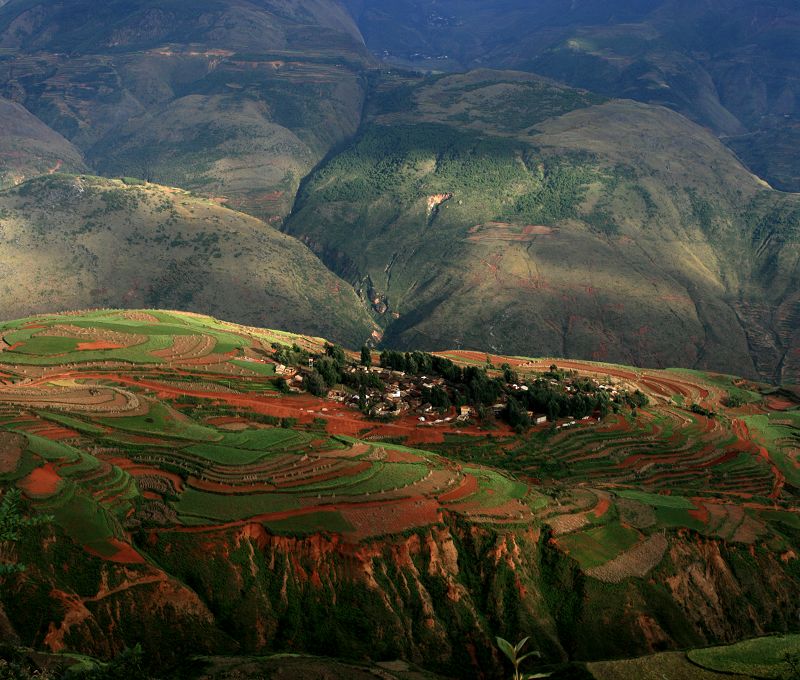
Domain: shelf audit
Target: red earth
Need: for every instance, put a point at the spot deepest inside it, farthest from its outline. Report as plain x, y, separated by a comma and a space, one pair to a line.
43, 481
602, 507
98, 345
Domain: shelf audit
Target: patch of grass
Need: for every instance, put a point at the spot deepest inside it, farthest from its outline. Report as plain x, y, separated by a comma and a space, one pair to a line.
780, 433
657, 500
599, 545
69, 421
227, 508
47, 345
761, 657
255, 366
311, 523
163, 421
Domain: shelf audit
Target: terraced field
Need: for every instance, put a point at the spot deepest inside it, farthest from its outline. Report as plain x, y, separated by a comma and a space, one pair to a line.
164, 421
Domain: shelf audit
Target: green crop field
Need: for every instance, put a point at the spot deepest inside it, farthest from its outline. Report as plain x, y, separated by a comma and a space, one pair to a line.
163, 421
310, 523
229, 507
657, 500
227, 455
599, 545
256, 367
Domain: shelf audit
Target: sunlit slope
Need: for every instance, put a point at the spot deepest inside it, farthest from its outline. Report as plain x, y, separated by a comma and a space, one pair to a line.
85, 242
498, 210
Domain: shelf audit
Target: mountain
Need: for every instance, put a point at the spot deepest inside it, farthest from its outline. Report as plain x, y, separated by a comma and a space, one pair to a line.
78, 242
237, 99
29, 148
499, 209
495, 209
731, 65
193, 499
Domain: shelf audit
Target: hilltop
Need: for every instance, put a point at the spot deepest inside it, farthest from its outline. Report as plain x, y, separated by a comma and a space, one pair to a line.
197, 485
85, 242
501, 210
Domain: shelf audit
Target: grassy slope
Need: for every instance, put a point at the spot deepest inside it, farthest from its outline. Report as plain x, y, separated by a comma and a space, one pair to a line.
83, 242
651, 215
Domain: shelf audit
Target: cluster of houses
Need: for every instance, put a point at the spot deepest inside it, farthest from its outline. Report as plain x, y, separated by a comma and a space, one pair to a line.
404, 395
401, 395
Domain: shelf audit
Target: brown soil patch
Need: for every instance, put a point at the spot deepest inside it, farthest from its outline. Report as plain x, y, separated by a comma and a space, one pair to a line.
700, 513
391, 518
601, 508
98, 345
140, 316
779, 403
42, 482
125, 554
393, 456
11, 448
468, 486
502, 231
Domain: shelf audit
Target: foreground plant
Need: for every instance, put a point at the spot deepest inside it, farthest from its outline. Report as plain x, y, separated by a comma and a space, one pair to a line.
515, 656
12, 525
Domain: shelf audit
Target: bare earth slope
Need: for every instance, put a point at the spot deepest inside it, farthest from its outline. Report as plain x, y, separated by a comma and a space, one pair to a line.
494, 209
85, 242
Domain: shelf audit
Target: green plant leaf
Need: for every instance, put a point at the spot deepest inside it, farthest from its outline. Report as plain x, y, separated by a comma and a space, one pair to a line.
522, 658
507, 649
521, 644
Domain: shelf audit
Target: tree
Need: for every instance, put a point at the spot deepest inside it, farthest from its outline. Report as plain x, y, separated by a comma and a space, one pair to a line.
315, 384
733, 401
516, 415
338, 355
12, 525
366, 356
515, 656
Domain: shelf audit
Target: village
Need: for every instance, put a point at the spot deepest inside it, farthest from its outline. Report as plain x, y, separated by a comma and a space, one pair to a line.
554, 399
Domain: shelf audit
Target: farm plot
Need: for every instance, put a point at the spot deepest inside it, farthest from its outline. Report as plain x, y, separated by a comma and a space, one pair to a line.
780, 434
636, 562
197, 505
599, 545
163, 421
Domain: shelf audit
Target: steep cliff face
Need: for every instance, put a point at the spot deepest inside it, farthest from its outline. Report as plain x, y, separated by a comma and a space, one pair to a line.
436, 597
